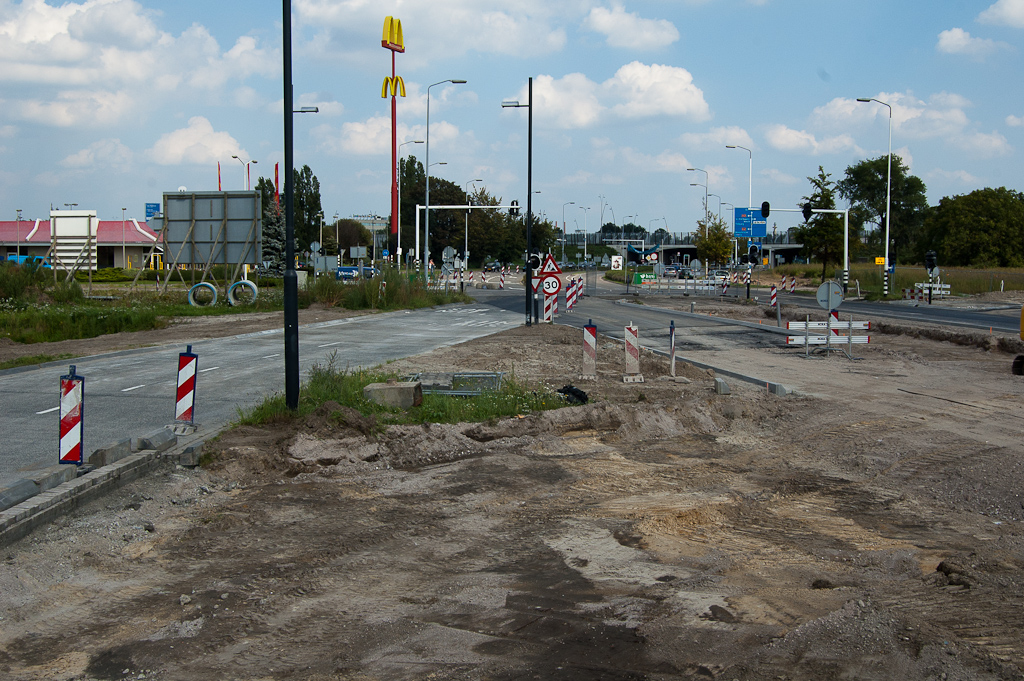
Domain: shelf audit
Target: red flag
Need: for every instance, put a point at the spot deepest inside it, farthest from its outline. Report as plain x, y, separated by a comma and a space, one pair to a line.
218, 176
277, 187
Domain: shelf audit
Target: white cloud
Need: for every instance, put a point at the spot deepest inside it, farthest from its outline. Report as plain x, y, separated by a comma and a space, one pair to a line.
942, 116
657, 90
957, 176
1004, 12
442, 29
718, 137
196, 144
77, 107
108, 152
1014, 121
800, 141
629, 30
959, 41
373, 136
569, 102
779, 177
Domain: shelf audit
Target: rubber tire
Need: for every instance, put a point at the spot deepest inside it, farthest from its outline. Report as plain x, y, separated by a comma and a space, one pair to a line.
233, 299
202, 285
1018, 366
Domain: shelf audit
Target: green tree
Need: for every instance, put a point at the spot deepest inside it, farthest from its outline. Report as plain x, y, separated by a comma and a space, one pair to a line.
307, 207
346, 233
822, 235
413, 183
864, 186
713, 240
272, 225
983, 229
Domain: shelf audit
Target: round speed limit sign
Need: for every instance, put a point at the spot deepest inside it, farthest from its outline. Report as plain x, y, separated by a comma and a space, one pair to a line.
551, 285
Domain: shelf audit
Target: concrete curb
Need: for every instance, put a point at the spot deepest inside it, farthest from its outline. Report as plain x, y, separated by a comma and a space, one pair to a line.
18, 521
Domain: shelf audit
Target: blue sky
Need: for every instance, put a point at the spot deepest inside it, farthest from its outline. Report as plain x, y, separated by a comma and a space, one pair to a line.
108, 103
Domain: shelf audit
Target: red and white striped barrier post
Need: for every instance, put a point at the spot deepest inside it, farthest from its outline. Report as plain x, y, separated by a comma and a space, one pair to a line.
792, 283
632, 374
774, 297
185, 400
501, 282
725, 287
672, 348
72, 426
589, 352
735, 276
471, 277
570, 296
554, 304
548, 311
517, 269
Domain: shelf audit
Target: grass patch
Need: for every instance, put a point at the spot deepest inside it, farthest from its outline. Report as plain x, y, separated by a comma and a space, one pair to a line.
328, 383
33, 360
49, 323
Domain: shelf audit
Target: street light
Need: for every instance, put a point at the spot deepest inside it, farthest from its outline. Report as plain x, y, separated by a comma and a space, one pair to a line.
465, 249
567, 203
888, 186
514, 104
585, 210
245, 170
398, 246
426, 228
750, 173
707, 181
719, 204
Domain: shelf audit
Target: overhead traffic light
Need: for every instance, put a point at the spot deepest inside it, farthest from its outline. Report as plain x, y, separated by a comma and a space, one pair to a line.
807, 211
765, 208
514, 210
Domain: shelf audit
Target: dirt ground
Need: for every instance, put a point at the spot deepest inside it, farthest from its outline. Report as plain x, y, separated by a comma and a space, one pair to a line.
868, 527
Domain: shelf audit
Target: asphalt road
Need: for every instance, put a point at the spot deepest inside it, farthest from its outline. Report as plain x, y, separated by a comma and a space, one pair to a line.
130, 394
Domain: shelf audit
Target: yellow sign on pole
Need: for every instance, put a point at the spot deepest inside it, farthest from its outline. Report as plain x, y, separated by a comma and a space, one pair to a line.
879, 261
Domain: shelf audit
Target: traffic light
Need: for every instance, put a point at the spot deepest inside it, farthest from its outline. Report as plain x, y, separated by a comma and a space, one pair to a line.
931, 260
535, 261
514, 210
752, 257
765, 208
807, 212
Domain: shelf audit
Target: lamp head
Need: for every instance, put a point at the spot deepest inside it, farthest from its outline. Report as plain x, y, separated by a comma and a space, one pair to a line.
863, 99
458, 81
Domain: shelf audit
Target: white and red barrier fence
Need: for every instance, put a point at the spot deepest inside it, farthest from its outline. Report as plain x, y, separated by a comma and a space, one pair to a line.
72, 425
632, 373
589, 352
774, 300
185, 399
549, 309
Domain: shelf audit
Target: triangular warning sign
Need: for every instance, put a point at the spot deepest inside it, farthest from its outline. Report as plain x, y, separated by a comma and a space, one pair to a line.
550, 266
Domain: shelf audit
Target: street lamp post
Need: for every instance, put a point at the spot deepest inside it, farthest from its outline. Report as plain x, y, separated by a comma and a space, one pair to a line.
888, 188
398, 246
426, 228
750, 173
586, 212
719, 204
567, 203
465, 248
529, 195
18, 246
707, 181
245, 170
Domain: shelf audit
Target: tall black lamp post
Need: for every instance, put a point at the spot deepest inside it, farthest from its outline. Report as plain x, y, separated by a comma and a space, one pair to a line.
529, 198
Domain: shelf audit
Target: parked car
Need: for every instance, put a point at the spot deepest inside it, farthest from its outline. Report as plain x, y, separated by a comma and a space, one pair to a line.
719, 275
493, 266
685, 273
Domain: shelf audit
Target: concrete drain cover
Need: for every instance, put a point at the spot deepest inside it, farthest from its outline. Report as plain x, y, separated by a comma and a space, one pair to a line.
458, 382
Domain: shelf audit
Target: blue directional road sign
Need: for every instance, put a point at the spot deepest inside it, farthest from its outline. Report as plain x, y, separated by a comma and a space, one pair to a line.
748, 224
152, 209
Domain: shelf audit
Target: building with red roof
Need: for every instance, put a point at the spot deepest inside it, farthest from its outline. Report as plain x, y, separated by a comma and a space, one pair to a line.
114, 243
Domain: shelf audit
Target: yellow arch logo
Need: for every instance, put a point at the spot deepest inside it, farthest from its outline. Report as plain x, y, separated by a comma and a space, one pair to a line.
392, 38
393, 86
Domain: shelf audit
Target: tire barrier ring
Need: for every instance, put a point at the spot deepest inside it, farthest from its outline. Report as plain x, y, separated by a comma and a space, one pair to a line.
232, 292
202, 285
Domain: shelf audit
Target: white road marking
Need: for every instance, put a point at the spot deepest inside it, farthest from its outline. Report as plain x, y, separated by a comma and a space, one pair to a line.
47, 411
271, 356
203, 371
327, 345
128, 390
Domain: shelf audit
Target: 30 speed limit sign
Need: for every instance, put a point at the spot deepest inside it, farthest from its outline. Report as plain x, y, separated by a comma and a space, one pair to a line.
551, 285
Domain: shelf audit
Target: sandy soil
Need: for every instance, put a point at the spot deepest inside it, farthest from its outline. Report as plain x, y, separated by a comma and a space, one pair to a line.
869, 527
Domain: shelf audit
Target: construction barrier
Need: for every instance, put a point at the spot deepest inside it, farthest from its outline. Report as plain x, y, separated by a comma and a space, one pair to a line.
501, 282
548, 309
672, 348
589, 351
632, 373
792, 283
185, 400
774, 300
72, 425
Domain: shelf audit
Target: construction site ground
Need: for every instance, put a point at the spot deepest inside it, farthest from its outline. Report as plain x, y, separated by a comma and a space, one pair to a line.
868, 526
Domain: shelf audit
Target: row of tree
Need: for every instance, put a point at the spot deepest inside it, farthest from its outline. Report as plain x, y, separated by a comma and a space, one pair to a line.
984, 228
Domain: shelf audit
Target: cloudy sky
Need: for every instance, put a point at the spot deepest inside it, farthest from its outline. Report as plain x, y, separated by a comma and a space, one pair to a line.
109, 103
